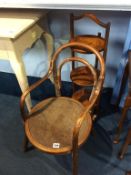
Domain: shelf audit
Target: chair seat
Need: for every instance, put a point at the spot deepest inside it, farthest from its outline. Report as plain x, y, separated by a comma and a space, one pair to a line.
96, 42
82, 76
51, 122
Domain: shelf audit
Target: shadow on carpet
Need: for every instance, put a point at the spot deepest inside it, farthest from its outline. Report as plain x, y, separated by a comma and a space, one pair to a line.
97, 156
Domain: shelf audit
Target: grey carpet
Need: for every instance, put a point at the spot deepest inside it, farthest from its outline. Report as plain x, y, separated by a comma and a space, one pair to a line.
98, 156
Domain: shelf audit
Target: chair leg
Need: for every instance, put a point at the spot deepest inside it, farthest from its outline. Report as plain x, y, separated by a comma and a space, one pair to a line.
125, 145
75, 162
25, 143
128, 173
97, 109
120, 125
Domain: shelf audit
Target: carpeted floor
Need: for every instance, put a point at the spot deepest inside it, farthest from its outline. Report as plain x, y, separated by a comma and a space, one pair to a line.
98, 156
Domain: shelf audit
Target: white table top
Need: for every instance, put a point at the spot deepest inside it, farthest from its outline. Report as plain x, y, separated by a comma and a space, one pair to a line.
13, 24
119, 5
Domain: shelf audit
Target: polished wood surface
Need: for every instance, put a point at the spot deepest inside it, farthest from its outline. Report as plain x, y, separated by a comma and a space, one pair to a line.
82, 95
96, 41
81, 76
124, 147
126, 106
59, 124
84, 74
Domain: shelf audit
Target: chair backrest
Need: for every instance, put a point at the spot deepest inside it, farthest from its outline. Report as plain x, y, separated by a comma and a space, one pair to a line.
56, 68
105, 26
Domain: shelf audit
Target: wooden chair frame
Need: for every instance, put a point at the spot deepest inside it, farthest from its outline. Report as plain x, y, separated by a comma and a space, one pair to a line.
57, 79
98, 22
126, 106
80, 73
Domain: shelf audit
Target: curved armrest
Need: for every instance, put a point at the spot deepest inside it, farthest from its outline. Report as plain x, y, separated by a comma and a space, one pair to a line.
31, 88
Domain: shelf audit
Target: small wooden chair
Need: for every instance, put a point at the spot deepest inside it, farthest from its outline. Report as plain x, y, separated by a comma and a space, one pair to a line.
127, 105
81, 75
60, 125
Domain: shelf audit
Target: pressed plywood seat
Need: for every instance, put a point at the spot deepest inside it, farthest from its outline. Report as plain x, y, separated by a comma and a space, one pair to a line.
59, 125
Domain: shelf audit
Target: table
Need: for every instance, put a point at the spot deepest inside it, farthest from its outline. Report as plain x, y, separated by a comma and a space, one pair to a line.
18, 31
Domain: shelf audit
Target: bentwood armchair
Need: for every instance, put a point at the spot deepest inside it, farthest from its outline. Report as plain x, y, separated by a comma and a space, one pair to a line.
80, 75
60, 125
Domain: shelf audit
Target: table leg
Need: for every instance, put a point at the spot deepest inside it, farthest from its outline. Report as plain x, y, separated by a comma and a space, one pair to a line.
19, 70
50, 47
